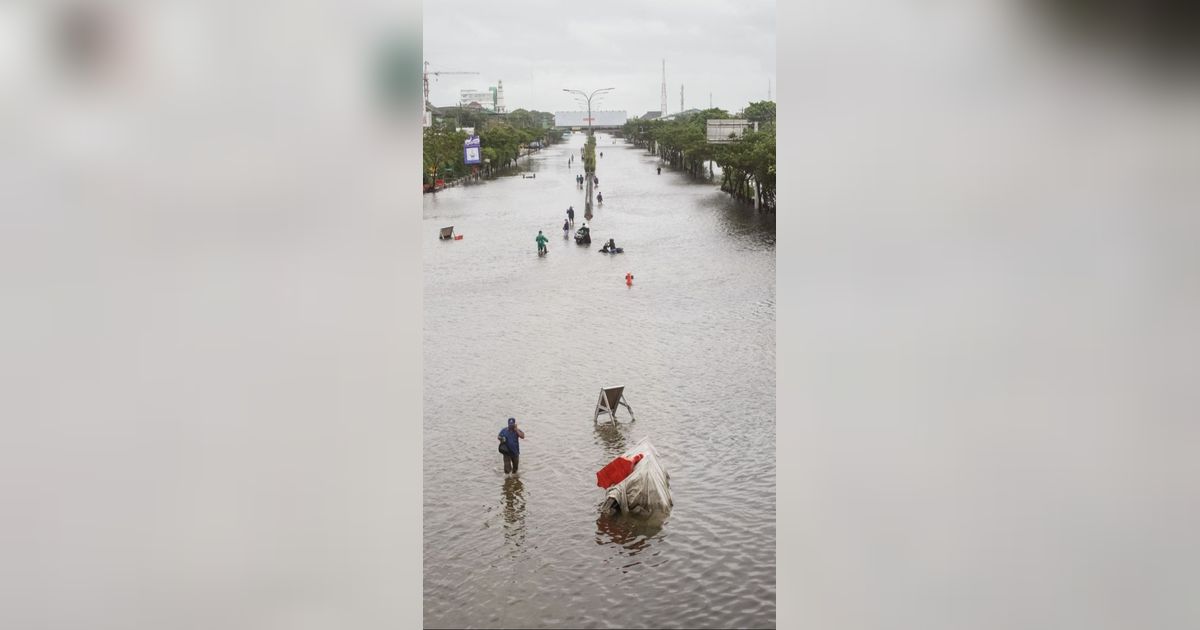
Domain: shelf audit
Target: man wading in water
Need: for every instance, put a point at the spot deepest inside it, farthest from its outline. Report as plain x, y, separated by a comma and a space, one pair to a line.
509, 442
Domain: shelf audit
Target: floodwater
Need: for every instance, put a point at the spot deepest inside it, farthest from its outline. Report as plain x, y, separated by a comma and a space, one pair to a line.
508, 333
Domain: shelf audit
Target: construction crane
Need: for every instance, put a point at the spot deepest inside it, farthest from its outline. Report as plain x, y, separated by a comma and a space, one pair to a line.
425, 78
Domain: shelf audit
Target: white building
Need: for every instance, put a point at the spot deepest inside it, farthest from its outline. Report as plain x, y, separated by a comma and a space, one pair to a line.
485, 98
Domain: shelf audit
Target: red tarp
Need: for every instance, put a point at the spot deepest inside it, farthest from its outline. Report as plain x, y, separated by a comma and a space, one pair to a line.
616, 471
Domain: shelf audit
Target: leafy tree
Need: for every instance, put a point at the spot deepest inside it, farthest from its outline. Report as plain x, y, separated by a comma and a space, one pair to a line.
760, 112
747, 165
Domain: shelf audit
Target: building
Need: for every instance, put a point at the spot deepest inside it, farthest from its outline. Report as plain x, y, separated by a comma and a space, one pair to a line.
683, 114
499, 93
483, 98
650, 115
491, 99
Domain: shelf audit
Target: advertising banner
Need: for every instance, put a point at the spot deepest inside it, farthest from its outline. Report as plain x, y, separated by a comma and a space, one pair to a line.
598, 119
471, 150
727, 130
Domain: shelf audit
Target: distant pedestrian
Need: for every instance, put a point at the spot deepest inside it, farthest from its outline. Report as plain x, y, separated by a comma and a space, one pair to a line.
510, 446
571, 214
660, 170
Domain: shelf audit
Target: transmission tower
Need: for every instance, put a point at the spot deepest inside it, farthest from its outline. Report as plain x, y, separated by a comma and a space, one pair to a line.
664, 89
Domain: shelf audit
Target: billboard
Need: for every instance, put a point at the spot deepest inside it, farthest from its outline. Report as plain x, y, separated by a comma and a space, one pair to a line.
599, 119
471, 150
719, 131
486, 98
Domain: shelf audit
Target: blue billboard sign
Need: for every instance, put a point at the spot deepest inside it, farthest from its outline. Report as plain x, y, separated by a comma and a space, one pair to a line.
471, 150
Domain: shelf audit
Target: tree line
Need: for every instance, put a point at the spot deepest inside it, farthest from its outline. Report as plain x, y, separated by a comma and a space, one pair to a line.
589, 155
747, 165
501, 138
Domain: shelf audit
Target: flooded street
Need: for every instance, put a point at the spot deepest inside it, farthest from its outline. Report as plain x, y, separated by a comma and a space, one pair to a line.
507, 333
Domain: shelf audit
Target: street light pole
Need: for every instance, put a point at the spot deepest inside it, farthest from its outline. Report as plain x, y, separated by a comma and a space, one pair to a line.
588, 98
591, 138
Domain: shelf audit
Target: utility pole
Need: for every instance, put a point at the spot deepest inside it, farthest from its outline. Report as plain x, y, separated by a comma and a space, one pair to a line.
768, 89
710, 100
681, 97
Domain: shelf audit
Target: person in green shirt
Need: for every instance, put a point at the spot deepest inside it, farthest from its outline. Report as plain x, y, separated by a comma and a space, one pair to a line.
541, 241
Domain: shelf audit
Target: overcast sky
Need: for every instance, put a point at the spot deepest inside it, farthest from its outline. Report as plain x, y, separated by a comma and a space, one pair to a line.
537, 48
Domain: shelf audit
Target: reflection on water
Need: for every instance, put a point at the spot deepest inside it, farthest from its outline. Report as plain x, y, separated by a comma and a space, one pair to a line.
611, 437
634, 536
630, 532
742, 225
513, 498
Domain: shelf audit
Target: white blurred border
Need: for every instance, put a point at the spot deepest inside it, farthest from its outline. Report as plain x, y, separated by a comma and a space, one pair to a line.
211, 317
988, 297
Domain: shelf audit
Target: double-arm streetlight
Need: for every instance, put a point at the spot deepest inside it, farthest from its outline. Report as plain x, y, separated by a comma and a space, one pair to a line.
588, 97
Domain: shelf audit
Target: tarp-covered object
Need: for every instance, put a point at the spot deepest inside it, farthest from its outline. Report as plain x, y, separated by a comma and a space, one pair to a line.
647, 488
616, 471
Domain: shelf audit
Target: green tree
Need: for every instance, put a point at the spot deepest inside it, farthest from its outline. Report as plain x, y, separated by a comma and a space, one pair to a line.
761, 112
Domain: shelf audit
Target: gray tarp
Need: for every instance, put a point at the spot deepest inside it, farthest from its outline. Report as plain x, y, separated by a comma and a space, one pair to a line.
648, 488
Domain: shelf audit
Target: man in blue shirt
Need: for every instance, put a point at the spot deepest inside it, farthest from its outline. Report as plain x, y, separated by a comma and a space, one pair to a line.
509, 436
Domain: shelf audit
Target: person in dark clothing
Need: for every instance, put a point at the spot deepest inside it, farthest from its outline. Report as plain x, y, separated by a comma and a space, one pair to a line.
510, 436
660, 170
571, 214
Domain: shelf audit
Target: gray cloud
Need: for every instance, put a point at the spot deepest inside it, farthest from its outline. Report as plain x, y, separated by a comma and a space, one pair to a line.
538, 48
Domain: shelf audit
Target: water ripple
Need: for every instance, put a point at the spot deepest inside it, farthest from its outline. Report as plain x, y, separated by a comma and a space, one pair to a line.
509, 334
